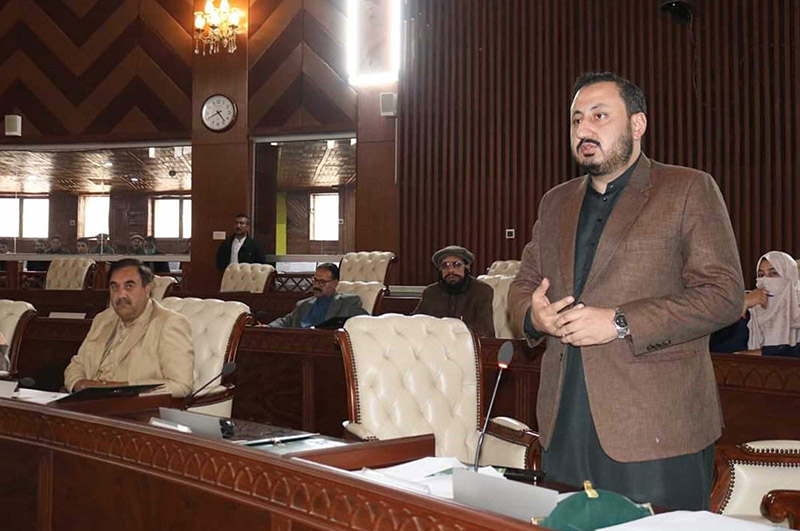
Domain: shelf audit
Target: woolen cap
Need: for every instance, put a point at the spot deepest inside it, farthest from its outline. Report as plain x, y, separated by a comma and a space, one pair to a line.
452, 250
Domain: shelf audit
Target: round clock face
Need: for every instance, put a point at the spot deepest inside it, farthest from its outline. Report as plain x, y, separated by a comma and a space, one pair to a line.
218, 112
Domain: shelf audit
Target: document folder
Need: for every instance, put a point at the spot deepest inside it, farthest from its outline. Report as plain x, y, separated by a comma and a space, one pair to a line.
92, 393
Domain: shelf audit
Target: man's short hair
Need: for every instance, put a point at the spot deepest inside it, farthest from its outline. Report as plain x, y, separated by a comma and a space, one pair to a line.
55, 237
245, 216
3, 241
144, 272
333, 268
83, 240
632, 95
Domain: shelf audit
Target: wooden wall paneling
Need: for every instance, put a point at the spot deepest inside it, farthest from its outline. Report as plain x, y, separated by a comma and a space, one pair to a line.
108, 72
298, 81
222, 166
483, 130
377, 223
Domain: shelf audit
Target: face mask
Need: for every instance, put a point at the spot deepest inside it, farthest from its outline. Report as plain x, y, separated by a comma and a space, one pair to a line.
773, 286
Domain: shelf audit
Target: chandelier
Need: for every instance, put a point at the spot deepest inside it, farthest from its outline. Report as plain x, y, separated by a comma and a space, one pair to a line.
216, 27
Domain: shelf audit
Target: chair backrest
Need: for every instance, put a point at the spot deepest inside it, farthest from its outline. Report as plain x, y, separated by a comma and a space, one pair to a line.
411, 375
14, 316
504, 267
254, 278
69, 273
161, 287
366, 266
371, 293
745, 473
503, 326
217, 327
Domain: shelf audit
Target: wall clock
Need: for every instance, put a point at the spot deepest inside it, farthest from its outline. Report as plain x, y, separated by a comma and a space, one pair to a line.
218, 113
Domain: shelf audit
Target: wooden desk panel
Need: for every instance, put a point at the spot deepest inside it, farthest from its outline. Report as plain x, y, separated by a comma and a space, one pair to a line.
88, 301
72, 471
291, 378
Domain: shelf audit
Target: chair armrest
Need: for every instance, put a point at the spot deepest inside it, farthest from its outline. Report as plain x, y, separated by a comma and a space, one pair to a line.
510, 442
357, 431
778, 505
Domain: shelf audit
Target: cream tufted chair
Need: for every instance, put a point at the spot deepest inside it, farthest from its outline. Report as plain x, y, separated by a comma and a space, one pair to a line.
161, 287
371, 293
411, 375
504, 267
255, 278
69, 273
217, 327
366, 266
502, 317
759, 481
14, 316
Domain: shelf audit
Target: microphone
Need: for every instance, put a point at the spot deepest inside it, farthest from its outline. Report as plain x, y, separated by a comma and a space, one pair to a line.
504, 356
227, 369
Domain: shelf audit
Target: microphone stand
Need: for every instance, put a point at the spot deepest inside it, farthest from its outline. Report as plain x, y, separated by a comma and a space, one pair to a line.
486, 420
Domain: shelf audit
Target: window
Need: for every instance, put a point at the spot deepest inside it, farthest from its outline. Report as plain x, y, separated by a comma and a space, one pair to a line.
172, 218
324, 218
24, 217
95, 215
9, 217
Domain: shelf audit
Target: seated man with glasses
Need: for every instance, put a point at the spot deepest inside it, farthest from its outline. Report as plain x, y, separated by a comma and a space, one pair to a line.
325, 305
457, 294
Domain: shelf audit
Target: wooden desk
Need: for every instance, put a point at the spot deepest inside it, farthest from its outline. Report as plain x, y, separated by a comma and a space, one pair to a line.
67, 470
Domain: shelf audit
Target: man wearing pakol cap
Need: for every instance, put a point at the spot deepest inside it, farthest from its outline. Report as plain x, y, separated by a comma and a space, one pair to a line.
457, 294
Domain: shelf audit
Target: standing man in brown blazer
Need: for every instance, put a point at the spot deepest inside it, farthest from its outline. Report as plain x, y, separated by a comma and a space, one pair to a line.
629, 270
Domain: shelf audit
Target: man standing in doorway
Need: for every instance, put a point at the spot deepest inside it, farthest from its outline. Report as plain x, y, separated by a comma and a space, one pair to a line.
629, 270
240, 248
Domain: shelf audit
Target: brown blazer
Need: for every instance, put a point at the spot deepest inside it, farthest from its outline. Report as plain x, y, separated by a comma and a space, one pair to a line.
668, 258
158, 349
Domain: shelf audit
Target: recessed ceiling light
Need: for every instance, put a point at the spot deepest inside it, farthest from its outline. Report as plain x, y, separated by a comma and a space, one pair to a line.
273, 143
134, 179
352, 141
331, 144
108, 164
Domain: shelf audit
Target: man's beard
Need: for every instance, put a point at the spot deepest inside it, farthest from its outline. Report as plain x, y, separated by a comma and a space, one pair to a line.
456, 288
617, 157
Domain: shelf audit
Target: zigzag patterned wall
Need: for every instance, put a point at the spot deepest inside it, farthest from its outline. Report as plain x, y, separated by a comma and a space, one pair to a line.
297, 77
112, 68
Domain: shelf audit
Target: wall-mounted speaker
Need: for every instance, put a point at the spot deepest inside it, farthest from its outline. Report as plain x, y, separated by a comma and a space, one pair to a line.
13, 125
388, 104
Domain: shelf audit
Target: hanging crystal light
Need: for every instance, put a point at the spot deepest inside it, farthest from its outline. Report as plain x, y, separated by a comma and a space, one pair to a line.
215, 28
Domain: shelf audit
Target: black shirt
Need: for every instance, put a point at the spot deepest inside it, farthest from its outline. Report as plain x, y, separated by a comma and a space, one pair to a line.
595, 211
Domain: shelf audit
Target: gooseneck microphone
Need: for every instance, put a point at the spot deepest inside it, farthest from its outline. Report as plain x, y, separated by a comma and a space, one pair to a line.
227, 369
504, 356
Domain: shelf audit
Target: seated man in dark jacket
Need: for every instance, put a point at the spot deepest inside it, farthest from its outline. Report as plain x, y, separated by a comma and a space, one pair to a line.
457, 294
240, 248
325, 305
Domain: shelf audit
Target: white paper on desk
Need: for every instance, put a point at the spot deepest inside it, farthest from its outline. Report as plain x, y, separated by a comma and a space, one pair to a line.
428, 474
7, 388
38, 397
690, 521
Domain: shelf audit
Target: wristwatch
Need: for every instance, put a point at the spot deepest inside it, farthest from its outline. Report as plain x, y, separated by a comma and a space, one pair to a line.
621, 324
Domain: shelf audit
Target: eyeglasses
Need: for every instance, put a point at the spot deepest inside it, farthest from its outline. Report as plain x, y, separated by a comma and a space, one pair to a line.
455, 264
321, 281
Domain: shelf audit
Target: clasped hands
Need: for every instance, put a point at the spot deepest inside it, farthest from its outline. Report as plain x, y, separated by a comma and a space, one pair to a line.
580, 326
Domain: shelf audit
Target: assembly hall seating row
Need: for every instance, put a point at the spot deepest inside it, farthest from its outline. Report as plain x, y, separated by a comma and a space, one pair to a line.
296, 378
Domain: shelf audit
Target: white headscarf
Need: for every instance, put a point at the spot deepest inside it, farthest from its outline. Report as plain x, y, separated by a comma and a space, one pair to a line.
779, 322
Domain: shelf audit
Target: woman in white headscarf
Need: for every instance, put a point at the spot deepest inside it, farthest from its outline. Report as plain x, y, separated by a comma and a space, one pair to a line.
778, 321
770, 323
